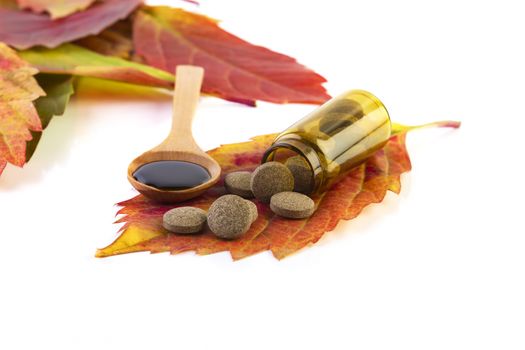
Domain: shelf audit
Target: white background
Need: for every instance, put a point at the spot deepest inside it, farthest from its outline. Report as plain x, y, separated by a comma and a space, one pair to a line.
440, 266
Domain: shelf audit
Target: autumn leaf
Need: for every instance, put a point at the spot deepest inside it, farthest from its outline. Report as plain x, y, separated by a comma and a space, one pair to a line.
113, 41
56, 8
76, 60
9, 4
23, 29
235, 69
58, 89
18, 116
364, 185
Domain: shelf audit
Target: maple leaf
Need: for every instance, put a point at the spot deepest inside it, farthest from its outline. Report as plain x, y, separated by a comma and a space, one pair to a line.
76, 60
56, 8
235, 69
365, 184
18, 115
58, 89
23, 29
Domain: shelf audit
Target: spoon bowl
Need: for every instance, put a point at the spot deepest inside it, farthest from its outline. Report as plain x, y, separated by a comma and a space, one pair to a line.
179, 145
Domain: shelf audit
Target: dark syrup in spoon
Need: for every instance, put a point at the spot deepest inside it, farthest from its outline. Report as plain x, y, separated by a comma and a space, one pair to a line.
171, 175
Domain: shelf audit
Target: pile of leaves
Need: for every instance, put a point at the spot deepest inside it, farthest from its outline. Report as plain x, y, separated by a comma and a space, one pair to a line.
45, 44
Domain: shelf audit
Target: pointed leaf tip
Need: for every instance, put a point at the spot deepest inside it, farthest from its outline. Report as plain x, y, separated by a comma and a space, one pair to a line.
235, 69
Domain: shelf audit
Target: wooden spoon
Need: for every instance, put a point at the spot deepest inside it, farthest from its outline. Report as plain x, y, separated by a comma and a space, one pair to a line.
179, 145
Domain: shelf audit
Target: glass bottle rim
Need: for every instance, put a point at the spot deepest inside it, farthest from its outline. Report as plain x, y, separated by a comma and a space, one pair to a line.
302, 149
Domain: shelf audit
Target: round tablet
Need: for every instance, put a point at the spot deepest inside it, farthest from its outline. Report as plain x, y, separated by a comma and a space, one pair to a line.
184, 220
253, 210
230, 216
270, 178
302, 174
238, 183
292, 205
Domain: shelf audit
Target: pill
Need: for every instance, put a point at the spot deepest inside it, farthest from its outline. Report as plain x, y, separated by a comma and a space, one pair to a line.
253, 210
292, 205
271, 178
302, 174
184, 220
238, 183
230, 216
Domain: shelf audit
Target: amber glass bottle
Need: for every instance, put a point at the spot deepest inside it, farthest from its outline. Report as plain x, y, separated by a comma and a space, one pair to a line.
336, 137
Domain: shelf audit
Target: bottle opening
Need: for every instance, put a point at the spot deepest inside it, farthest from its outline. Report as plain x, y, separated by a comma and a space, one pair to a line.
302, 162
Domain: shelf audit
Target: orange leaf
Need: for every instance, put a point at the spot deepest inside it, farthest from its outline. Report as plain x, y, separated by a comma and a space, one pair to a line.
366, 184
17, 113
235, 69
56, 8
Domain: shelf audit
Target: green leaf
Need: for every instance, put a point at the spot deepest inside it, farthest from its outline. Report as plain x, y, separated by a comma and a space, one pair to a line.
75, 60
59, 89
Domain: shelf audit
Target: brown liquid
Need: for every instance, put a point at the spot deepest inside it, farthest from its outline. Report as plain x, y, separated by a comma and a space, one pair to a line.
171, 175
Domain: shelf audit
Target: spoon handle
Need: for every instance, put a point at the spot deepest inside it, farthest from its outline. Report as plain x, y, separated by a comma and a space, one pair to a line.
188, 82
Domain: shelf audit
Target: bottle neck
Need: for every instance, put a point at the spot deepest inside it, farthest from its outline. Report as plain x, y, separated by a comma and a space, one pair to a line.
302, 149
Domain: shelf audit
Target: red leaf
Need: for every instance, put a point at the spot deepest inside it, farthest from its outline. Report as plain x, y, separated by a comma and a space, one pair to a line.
23, 29
17, 113
366, 184
235, 69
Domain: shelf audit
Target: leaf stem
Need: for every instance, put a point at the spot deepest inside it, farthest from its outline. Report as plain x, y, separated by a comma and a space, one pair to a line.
399, 128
